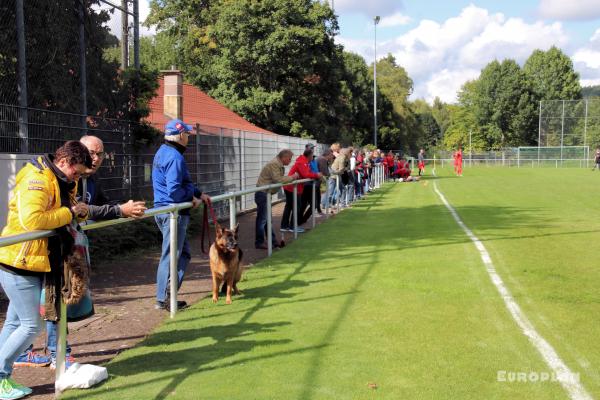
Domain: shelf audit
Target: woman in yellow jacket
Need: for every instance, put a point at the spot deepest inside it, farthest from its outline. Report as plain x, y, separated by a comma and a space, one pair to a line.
43, 198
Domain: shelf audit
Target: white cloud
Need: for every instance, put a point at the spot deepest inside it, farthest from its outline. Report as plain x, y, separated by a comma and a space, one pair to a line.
446, 83
586, 61
591, 58
115, 21
569, 10
396, 19
440, 57
369, 8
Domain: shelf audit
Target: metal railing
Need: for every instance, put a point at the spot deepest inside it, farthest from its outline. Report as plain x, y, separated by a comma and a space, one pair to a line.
173, 210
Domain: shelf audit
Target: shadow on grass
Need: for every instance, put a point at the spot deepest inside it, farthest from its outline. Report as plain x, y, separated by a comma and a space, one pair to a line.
397, 226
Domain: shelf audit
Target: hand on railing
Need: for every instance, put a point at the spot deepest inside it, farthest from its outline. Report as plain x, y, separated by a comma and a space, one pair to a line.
80, 210
133, 209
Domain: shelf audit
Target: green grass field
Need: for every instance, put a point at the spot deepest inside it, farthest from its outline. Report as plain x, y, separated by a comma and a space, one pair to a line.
390, 300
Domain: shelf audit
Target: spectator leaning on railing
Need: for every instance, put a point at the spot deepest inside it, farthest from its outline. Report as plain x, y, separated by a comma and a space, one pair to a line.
99, 208
302, 168
43, 198
305, 210
272, 173
331, 194
323, 162
340, 166
172, 184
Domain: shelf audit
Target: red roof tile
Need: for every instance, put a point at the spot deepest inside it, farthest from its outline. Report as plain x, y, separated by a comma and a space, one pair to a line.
200, 108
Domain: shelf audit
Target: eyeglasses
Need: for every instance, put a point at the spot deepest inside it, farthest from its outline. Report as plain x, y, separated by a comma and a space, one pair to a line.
99, 154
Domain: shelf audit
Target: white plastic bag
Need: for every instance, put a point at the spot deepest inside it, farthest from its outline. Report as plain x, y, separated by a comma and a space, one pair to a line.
81, 376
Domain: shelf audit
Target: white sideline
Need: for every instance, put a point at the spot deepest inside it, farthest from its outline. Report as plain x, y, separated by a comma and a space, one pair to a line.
564, 375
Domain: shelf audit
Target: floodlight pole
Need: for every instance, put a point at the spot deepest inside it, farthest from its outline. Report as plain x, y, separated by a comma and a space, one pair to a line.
124, 36
375, 22
539, 132
470, 150
562, 132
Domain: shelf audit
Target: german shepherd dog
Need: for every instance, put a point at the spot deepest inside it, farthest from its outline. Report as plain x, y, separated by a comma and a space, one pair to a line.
225, 256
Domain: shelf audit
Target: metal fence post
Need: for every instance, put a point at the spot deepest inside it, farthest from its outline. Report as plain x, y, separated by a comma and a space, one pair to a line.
295, 210
269, 225
173, 257
61, 345
338, 195
197, 163
314, 198
22, 77
244, 199
232, 213
82, 68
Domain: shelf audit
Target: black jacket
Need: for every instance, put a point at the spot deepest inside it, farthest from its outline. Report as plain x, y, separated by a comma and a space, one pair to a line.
100, 206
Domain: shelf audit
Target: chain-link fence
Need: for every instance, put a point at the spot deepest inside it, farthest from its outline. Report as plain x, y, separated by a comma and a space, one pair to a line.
220, 160
569, 123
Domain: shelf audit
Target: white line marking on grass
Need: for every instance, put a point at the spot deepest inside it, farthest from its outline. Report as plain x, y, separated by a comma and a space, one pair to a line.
568, 380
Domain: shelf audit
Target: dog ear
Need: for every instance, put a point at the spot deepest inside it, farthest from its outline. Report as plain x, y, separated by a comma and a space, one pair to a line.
218, 230
236, 229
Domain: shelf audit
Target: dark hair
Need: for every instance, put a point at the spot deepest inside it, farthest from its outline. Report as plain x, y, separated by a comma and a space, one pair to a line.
308, 152
75, 153
326, 152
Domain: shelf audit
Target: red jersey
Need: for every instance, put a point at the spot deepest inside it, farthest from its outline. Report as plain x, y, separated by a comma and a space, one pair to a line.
303, 169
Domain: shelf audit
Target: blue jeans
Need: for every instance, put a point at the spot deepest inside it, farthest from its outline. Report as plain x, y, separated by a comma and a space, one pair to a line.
183, 253
23, 322
261, 220
52, 338
329, 198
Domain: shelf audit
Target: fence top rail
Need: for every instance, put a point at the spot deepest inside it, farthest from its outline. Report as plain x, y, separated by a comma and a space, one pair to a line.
23, 237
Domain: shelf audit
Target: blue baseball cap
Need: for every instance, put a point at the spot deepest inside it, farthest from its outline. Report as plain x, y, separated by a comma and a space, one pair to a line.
177, 126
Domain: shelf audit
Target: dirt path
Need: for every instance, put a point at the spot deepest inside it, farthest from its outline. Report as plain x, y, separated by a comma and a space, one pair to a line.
124, 297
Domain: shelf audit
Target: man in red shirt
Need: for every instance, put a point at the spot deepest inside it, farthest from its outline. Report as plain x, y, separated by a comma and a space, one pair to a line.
303, 169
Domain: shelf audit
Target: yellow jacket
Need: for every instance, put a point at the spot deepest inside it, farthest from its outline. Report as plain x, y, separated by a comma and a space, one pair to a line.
35, 205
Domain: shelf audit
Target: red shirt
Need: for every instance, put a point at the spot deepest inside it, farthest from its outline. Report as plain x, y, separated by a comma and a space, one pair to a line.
303, 169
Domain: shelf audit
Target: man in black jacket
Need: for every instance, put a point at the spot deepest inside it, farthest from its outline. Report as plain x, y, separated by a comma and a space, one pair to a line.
100, 206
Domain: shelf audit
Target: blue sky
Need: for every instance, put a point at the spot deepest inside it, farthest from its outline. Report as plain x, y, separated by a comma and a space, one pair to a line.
444, 43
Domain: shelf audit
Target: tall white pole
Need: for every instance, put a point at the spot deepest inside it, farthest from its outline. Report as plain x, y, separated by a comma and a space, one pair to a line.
470, 149
539, 132
562, 132
376, 21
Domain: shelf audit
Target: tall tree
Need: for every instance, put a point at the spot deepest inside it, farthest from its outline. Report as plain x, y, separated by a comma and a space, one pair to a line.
551, 75
441, 114
395, 86
428, 130
590, 91
357, 99
273, 61
503, 104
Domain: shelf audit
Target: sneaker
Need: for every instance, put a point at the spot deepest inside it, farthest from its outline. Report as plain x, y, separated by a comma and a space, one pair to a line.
298, 230
69, 360
261, 247
32, 359
284, 229
164, 305
10, 390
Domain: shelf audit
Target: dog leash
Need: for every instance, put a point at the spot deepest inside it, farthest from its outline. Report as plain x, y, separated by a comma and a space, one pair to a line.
205, 226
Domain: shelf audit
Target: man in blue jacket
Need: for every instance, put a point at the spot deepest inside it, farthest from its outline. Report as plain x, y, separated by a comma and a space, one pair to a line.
172, 184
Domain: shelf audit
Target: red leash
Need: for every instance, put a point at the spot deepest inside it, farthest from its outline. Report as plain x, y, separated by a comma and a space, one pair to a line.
205, 227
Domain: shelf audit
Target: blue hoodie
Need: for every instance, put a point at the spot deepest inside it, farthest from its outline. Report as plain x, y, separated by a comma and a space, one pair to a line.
170, 177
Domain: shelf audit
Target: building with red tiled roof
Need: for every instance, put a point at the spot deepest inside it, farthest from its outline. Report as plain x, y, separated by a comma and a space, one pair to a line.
197, 108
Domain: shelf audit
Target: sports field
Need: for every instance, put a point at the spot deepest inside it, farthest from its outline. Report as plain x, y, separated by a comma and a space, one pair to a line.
392, 300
